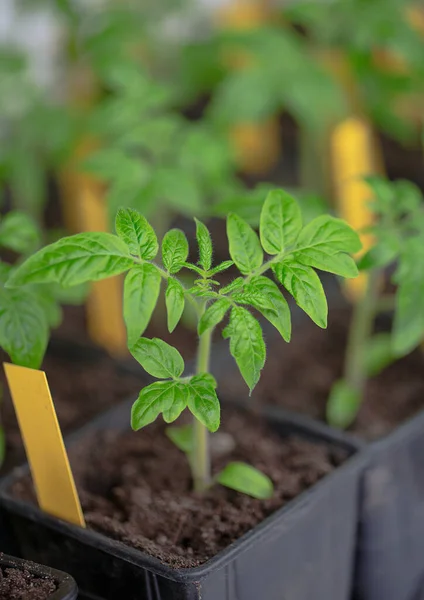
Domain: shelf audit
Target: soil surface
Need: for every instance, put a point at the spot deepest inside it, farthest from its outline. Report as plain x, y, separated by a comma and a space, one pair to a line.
16, 584
299, 376
80, 390
136, 487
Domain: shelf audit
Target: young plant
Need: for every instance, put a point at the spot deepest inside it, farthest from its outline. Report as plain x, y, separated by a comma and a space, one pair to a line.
138, 128
35, 135
294, 252
399, 239
27, 314
383, 58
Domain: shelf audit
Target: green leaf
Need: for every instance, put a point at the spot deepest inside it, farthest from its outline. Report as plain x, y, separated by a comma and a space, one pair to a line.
382, 254
408, 326
182, 437
49, 305
323, 244
167, 397
174, 298
5, 270
245, 248
305, 286
205, 245
246, 479
254, 297
221, 267
194, 268
158, 358
279, 315
235, 285
174, 250
280, 222
246, 344
203, 401
378, 353
213, 315
137, 233
18, 232
343, 405
23, 328
141, 292
75, 259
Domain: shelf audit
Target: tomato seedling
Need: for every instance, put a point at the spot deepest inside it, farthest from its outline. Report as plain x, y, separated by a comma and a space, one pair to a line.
399, 239
294, 252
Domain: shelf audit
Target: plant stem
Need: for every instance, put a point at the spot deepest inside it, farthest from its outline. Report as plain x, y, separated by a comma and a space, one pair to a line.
359, 333
200, 459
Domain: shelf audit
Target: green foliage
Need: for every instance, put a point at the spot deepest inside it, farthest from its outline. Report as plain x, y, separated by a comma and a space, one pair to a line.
378, 354
358, 30
75, 259
245, 248
182, 437
158, 358
342, 405
280, 223
246, 479
246, 344
94, 256
141, 292
305, 286
205, 245
19, 233
26, 314
23, 327
174, 250
266, 86
175, 303
37, 134
398, 240
139, 127
137, 234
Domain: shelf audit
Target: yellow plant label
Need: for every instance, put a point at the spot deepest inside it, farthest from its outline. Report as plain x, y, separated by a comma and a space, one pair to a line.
51, 472
354, 156
104, 305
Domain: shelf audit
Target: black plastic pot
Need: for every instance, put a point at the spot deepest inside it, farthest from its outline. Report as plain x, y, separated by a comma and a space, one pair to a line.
390, 551
304, 551
66, 587
390, 555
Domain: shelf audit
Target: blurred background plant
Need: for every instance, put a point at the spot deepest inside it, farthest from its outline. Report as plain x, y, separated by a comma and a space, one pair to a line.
196, 107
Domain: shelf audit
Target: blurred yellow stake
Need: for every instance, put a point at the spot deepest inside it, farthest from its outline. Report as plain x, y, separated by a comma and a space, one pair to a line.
353, 156
257, 144
84, 208
46, 453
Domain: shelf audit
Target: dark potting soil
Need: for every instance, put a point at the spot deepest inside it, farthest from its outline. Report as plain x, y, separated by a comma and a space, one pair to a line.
80, 390
17, 584
299, 376
136, 487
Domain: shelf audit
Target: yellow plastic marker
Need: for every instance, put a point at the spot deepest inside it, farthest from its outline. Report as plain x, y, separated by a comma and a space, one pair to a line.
84, 207
353, 155
104, 305
257, 144
51, 472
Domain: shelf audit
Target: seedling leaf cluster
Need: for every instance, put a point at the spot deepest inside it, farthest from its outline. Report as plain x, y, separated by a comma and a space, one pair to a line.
398, 234
293, 252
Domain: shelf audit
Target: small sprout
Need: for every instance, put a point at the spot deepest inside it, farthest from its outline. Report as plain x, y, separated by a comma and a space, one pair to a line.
295, 252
